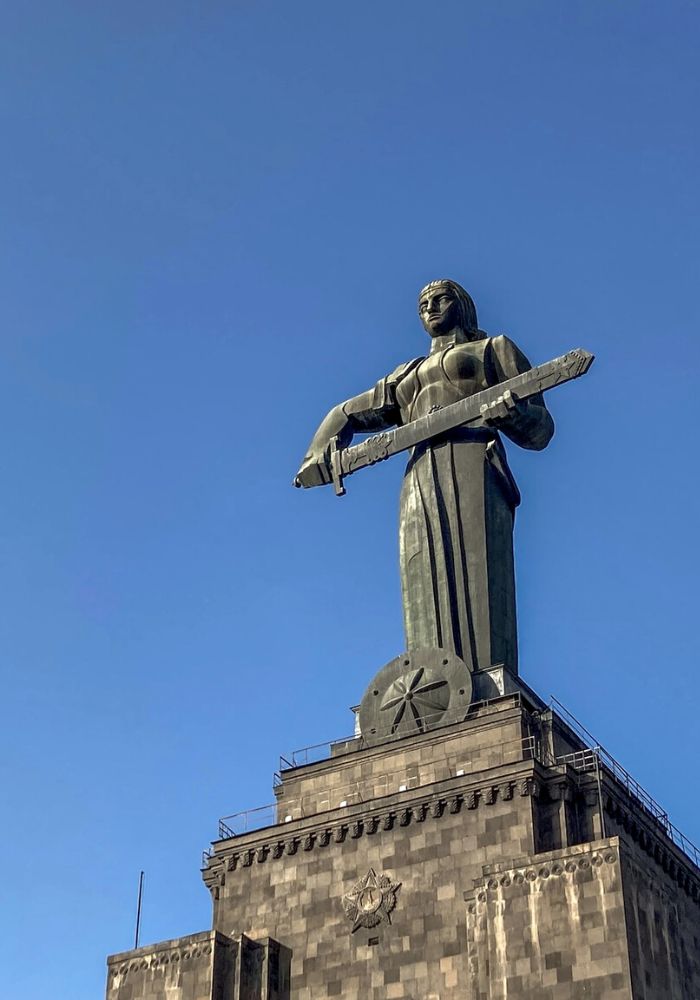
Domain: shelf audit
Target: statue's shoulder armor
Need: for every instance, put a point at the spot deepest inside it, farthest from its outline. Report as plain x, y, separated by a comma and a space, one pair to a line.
504, 355
501, 344
401, 371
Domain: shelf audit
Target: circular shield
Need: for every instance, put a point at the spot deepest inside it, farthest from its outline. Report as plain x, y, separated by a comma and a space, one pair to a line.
419, 690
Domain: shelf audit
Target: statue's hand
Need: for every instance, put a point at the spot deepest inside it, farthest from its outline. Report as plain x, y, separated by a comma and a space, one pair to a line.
314, 471
502, 410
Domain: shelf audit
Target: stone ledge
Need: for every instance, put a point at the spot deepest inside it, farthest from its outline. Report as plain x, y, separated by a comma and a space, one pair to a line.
368, 821
201, 940
156, 969
540, 867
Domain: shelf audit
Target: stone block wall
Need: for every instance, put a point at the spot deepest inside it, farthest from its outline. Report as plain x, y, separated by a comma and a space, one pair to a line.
293, 889
197, 967
552, 928
663, 925
263, 972
495, 736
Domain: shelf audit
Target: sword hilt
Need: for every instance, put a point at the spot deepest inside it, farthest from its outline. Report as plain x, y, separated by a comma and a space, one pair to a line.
336, 467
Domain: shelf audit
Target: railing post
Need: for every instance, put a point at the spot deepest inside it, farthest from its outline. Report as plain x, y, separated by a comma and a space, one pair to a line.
600, 795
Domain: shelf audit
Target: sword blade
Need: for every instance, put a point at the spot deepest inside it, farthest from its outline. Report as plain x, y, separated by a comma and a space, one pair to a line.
466, 411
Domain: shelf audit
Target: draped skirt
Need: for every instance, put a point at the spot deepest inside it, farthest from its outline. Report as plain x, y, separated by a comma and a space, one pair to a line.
457, 512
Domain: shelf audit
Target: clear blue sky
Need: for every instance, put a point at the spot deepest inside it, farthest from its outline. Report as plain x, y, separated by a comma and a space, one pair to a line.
216, 219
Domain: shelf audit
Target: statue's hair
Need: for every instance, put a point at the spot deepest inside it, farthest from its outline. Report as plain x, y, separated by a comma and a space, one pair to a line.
465, 303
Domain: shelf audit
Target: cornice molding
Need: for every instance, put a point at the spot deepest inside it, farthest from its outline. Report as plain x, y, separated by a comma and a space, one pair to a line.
354, 827
494, 884
160, 959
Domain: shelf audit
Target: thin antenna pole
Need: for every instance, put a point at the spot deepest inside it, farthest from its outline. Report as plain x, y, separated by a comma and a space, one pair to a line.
138, 911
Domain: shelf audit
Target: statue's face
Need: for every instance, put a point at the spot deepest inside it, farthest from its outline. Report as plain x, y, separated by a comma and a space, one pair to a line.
438, 310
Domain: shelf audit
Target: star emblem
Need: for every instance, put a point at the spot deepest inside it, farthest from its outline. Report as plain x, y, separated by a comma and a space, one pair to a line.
371, 900
425, 696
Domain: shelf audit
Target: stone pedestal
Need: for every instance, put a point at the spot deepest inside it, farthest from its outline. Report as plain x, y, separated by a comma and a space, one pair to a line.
495, 857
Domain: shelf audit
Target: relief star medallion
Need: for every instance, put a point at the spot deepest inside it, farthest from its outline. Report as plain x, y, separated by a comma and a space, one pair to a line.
371, 900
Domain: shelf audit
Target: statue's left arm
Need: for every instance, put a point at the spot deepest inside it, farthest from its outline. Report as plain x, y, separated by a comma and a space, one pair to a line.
528, 423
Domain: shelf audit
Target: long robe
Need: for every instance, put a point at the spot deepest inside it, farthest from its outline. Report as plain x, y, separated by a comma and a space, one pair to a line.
457, 510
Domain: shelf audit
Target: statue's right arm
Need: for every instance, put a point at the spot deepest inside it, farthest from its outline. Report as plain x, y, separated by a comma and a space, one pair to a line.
351, 417
374, 410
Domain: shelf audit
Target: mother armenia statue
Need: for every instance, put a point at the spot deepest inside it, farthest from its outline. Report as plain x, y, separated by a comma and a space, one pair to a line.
458, 497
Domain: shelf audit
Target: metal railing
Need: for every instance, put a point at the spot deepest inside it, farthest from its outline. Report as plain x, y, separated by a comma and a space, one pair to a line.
597, 756
312, 754
376, 786
322, 751
247, 820
594, 757
687, 846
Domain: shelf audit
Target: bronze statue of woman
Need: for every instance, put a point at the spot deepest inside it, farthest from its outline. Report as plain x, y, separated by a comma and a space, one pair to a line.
458, 497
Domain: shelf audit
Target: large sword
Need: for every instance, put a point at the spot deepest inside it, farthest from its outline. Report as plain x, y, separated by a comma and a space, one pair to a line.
344, 461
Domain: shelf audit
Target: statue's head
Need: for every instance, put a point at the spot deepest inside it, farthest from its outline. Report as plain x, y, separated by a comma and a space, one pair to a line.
444, 306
